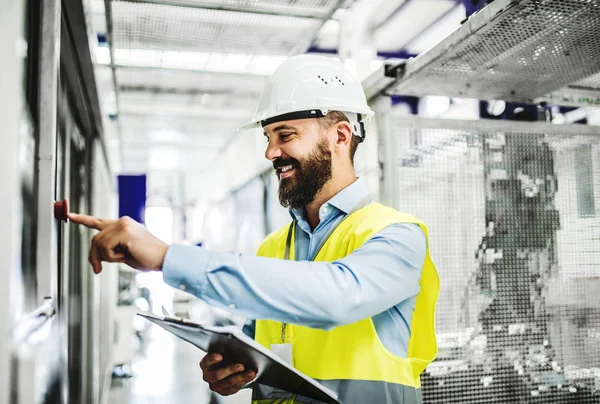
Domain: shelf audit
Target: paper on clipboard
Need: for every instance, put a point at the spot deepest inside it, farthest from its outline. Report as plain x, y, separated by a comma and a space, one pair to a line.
237, 347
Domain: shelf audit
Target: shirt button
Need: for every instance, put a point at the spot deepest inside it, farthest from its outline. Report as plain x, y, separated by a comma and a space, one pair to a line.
232, 306
182, 286
325, 210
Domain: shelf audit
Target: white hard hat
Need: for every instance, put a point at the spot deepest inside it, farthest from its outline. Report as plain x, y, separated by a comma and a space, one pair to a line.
309, 86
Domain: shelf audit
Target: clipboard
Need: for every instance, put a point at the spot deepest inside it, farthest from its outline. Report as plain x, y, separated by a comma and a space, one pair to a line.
237, 347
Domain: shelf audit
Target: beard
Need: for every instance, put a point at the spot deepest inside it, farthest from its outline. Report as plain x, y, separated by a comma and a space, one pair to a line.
309, 177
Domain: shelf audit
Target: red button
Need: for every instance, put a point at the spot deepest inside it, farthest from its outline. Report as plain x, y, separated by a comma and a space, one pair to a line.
61, 210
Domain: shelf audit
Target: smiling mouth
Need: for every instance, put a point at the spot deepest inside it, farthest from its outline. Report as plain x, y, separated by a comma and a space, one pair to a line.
285, 171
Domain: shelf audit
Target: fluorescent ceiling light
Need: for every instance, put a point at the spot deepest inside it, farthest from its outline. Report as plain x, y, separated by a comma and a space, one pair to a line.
200, 61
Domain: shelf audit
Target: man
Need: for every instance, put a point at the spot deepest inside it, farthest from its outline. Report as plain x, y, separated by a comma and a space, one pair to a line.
347, 291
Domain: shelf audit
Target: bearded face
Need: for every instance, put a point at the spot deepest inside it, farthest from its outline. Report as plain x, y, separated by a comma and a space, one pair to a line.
301, 180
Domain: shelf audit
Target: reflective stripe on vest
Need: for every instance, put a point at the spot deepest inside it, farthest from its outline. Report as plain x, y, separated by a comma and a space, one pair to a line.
351, 358
349, 392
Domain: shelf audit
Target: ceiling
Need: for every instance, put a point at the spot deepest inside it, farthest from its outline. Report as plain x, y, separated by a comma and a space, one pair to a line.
182, 75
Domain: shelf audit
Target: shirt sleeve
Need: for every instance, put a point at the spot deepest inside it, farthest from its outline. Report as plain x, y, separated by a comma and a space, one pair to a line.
383, 272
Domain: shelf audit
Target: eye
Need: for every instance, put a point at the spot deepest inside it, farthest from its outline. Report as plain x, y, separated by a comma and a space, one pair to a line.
286, 135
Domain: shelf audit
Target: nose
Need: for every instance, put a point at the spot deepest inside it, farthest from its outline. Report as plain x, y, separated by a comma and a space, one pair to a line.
273, 150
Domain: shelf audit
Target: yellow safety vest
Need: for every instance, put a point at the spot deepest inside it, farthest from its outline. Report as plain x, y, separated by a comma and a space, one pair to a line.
351, 359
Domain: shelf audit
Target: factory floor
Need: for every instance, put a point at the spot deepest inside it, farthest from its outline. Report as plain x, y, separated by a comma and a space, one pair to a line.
165, 370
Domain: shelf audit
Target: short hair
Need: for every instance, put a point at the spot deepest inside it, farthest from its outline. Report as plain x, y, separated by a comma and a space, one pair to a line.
334, 117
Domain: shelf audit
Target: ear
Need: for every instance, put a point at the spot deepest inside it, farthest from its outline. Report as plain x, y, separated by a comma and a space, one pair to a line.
343, 135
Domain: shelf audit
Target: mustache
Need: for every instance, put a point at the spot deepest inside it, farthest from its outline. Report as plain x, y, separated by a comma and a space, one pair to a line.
281, 162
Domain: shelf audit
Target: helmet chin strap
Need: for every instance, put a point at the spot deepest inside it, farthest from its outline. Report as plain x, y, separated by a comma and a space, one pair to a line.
358, 126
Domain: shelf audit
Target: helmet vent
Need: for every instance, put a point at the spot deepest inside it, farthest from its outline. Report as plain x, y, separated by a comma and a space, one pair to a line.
332, 80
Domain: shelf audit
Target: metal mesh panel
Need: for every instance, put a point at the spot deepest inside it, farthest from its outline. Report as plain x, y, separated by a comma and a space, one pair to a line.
592, 82
175, 81
311, 8
514, 216
584, 93
157, 27
511, 51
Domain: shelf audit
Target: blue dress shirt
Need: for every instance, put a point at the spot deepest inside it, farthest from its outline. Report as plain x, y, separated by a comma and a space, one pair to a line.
380, 279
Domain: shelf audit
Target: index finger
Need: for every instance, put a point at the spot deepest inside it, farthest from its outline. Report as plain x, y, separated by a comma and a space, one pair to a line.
88, 221
210, 359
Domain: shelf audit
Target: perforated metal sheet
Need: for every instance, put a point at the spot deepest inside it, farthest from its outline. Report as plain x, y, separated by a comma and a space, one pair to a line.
584, 93
308, 8
513, 211
157, 27
592, 82
511, 50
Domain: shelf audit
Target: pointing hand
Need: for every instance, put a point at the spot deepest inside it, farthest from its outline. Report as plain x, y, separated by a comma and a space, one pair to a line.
122, 240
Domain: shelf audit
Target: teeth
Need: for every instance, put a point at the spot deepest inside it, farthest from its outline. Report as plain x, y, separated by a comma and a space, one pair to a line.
286, 168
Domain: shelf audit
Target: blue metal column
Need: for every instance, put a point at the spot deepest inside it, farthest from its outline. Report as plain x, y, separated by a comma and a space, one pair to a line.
132, 196
473, 6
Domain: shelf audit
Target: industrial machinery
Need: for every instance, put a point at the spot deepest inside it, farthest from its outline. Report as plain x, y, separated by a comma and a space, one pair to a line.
56, 322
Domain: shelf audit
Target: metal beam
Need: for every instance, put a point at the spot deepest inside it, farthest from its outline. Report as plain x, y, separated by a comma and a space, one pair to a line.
158, 90
388, 154
382, 79
399, 54
436, 21
302, 46
76, 47
77, 69
240, 9
109, 37
498, 126
47, 269
391, 15
46, 151
173, 69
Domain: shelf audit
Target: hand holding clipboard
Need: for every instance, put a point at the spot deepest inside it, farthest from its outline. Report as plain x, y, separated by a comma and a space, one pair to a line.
236, 347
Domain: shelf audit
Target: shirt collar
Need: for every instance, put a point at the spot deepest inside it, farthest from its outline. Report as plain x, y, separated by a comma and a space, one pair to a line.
345, 200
